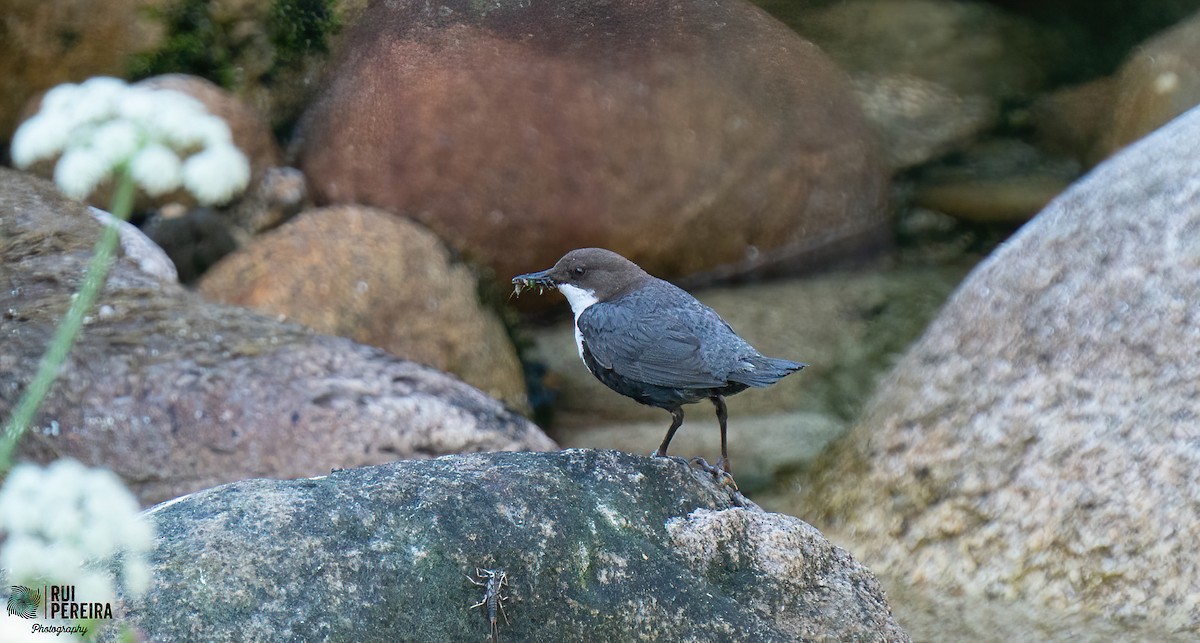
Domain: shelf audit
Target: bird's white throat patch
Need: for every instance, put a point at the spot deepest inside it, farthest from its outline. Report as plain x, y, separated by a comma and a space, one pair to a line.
580, 300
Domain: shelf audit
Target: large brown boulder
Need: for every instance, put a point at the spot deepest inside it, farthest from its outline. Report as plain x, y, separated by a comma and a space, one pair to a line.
686, 136
1039, 444
176, 393
378, 279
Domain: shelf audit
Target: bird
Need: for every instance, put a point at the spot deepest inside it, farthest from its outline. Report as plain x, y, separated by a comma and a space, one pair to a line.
651, 341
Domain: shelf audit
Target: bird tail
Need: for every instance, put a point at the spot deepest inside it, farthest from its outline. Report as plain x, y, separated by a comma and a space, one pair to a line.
766, 371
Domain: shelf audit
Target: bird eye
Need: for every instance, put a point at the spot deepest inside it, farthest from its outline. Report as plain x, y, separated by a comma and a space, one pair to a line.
579, 270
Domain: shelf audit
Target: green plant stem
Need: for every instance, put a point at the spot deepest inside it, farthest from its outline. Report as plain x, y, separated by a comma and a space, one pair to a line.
68, 328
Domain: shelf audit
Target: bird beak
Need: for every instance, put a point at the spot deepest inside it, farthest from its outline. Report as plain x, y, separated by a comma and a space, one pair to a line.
530, 280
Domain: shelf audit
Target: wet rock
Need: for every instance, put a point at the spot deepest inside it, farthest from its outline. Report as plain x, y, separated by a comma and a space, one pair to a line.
686, 136
175, 393
595, 546
1038, 445
1070, 121
377, 279
994, 181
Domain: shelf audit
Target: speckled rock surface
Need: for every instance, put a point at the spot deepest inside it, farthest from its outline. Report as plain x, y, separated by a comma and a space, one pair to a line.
175, 393
1039, 443
378, 279
596, 545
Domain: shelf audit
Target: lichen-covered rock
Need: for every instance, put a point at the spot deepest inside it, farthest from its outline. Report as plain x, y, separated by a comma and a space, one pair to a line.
1039, 443
600, 546
378, 279
175, 393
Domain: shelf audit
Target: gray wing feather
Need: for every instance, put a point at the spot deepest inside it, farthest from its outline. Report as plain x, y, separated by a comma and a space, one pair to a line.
658, 343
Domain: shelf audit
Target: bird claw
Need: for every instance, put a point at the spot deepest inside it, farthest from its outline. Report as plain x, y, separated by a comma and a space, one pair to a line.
673, 458
724, 478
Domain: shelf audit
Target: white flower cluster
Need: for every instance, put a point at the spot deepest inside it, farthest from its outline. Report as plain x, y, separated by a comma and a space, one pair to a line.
62, 516
164, 138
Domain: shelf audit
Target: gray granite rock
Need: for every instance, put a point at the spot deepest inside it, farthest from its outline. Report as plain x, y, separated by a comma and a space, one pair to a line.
1040, 443
175, 393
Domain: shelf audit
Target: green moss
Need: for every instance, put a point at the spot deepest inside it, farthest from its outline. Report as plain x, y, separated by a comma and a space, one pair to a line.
195, 45
300, 27
200, 45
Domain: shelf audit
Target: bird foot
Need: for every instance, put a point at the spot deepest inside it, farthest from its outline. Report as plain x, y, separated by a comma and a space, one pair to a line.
724, 478
673, 458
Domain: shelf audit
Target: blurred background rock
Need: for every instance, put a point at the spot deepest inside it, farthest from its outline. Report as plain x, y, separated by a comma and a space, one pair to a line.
823, 173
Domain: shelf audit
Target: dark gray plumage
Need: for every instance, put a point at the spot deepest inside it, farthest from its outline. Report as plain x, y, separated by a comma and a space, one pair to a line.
649, 340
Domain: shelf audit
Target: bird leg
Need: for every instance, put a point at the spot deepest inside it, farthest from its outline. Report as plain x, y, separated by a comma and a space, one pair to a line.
721, 471
722, 417
676, 422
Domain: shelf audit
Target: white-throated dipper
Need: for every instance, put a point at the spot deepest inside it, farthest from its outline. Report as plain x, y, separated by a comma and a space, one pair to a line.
650, 340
